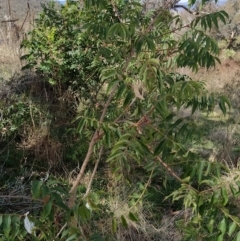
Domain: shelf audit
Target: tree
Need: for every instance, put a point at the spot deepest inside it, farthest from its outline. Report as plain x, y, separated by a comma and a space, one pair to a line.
131, 59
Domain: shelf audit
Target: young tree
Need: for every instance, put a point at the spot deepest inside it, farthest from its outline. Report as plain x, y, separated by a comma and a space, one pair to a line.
131, 58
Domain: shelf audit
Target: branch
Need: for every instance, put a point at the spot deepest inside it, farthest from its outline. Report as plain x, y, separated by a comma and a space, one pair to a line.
94, 172
185, 8
10, 20
93, 141
20, 197
169, 169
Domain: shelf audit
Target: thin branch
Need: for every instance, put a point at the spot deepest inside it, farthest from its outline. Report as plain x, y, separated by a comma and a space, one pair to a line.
25, 17
144, 190
94, 172
116, 12
185, 8
174, 174
169, 169
93, 141
20, 197
62, 228
10, 20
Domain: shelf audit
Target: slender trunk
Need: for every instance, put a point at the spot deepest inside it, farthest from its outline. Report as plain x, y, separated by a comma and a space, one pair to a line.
93, 141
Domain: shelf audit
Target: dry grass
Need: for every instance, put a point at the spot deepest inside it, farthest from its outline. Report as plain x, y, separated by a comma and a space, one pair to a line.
147, 228
43, 147
216, 78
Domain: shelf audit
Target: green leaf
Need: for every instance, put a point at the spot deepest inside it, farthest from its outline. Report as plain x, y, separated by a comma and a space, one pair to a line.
186, 179
81, 125
52, 81
7, 225
210, 225
224, 195
209, 166
132, 217
62, 205
107, 136
114, 225
232, 228
215, 20
222, 104
47, 208
176, 123
120, 91
162, 109
45, 190
144, 147
84, 213
215, 197
96, 237
160, 147
233, 189
36, 185
222, 226
128, 99
220, 237
118, 29
124, 221
236, 219
208, 182
237, 237
72, 237
15, 226
150, 44
108, 73
200, 171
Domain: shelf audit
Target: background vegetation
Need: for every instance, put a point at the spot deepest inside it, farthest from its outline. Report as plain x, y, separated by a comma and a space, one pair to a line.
116, 123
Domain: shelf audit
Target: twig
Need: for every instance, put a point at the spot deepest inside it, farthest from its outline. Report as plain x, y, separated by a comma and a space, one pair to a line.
10, 20
20, 197
169, 169
60, 231
94, 172
25, 17
144, 190
9, 9
185, 8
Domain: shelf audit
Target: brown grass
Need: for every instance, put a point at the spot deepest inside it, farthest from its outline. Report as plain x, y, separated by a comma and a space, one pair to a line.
44, 148
216, 78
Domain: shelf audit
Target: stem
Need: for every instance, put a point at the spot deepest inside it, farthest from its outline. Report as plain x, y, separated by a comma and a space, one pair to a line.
94, 172
93, 141
174, 174
169, 169
62, 228
20, 197
225, 212
144, 190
